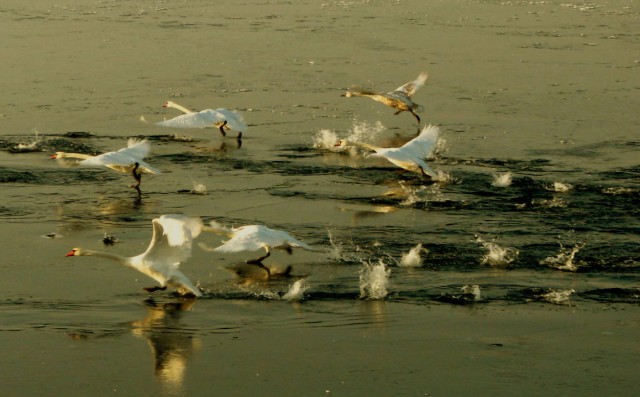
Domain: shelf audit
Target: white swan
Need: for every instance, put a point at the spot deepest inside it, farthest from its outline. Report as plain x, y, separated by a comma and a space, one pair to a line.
221, 118
170, 245
409, 156
125, 160
253, 238
400, 98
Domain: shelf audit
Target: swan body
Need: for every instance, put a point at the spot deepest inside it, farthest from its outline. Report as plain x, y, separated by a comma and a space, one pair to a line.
221, 118
125, 160
170, 245
410, 156
254, 238
399, 99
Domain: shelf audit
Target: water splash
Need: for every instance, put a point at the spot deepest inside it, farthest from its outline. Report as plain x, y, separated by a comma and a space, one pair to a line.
497, 255
559, 187
473, 290
374, 280
198, 188
296, 291
360, 132
558, 297
564, 259
413, 257
502, 180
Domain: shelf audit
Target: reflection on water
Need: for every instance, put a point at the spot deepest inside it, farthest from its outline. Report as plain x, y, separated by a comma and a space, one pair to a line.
170, 344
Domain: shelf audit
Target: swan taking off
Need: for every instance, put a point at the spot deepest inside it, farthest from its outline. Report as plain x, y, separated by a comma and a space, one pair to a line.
400, 98
220, 118
170, 245
125, 160
409, 156
254, 238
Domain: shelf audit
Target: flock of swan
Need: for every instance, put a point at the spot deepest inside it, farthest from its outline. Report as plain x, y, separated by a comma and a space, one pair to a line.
173, 235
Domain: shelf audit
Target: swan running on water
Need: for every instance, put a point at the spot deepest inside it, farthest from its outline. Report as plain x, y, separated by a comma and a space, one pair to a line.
254, 238
399, 99
125, 160
221, 118
409, 156
170, 245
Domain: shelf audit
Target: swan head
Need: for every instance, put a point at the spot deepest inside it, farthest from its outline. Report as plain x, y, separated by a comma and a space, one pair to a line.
168, 104
347, 94
342, 143
74, 252
57, 155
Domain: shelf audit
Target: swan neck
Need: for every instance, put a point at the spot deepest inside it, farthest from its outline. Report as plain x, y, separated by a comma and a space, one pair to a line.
107, 255
180, 108
220, 231
80, 156
364, 145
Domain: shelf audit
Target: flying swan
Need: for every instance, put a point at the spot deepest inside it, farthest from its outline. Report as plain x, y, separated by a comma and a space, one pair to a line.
221, 118
254, 238
125, 160
410, 156
399, 99
170, 245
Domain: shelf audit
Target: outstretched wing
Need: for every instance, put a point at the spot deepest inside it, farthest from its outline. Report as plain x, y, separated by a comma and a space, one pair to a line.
411, 87
202, 119
423, 145
171, 242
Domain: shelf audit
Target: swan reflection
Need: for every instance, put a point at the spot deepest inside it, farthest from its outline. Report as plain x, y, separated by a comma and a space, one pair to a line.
169, 343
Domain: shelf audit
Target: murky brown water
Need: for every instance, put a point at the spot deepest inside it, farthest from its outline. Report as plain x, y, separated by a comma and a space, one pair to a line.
545, 91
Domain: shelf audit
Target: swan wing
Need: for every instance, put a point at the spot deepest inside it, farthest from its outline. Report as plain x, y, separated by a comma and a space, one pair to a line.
282, 238
423, 145
245, 238
170, 244
411, 87
201, 119
136, 148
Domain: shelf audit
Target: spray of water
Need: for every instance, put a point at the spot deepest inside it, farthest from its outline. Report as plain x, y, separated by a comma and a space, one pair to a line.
359, 132
564, 260
559, 187
374, 280
502, 180
497, 255
296, 291
558, 297
198, 188
472, 290
413, 257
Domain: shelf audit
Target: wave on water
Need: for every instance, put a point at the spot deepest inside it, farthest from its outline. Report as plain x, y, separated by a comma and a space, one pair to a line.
374, 280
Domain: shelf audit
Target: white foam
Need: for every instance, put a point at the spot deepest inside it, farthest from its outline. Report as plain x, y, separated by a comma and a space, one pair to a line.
564, 260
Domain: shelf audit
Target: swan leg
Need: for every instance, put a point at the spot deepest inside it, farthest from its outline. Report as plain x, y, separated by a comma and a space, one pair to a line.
137, 177
258, 262
415, 115
154, 289
221, 128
